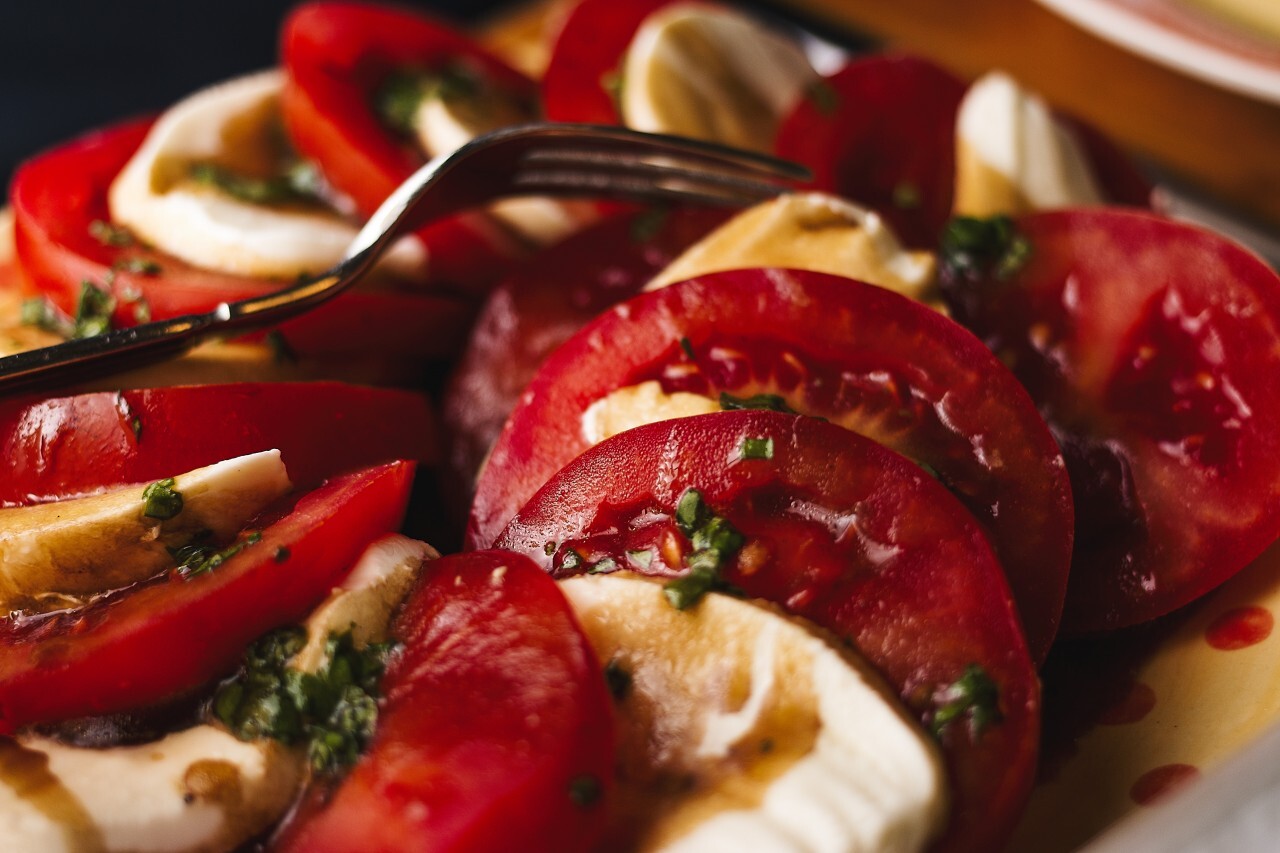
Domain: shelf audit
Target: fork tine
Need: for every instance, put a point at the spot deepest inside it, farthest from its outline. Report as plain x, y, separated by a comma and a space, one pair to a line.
601, 174
567, 182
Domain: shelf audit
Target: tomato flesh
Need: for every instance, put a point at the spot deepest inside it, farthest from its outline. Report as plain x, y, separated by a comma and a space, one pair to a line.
68, 446
496, 724
1150, 347
141, 645
839, 530
860, 356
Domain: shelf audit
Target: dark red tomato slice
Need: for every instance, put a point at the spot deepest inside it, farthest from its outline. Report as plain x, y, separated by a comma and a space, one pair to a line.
336, 55
68, 446
542, 305
882, 133
140, 645
857, 355
59, 194
843, 532
1152, 349
496, 730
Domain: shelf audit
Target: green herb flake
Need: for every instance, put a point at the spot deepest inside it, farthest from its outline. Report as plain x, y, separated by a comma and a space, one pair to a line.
94, 309
906, 196
585, 791
756, 448
396, 102
111, 235
138, 266
972, 248
201, 559
688, 349
691, 512
161, 500
570, 559
823, 97
975, 696
648, 224
603, 567
38, 311
618, 679
549, 548
282, 188
765, 402
612, 82
640, 559
714, 540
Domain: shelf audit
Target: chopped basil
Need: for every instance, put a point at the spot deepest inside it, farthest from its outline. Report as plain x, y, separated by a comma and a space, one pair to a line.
333, 711
549, 548
140, 266
688, 349
618, 679
93, 311
824, 97
603, 567
691, 512
641, 559
585, 791
161, 500
294, 184
756, 448
612, 82
38, 311
199, 559
109, 234
975, 696
714, 540
400, 96
972, 248
767, 402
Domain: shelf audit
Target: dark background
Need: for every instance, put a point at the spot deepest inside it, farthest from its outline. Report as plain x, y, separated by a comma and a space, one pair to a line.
67, 66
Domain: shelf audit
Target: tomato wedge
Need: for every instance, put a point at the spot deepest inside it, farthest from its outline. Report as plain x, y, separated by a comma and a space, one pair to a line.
58, 195
496, 729
1151, 348
860, 356
336, 55
836, 529
68, 446
542, 305
882, 133
145, 643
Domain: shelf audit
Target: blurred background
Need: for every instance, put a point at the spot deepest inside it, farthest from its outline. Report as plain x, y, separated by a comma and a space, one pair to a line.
67, 66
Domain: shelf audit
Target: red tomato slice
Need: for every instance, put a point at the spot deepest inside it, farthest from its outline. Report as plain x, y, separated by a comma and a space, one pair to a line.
841, 531
59, 194
542, 305
68, 446
140, 645
587, 56
336, 55
1151, 348
496, 730
860, 356
882, 133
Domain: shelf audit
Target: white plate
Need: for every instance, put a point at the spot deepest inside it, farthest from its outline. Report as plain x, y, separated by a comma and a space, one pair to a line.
1184, 38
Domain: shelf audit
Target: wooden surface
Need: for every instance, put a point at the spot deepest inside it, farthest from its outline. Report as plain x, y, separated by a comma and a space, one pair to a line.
1223, 143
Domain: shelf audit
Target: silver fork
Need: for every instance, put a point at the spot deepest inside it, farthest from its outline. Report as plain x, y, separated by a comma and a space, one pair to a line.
535, 159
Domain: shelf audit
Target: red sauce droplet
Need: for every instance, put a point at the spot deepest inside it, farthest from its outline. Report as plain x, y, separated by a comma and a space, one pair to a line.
1240, 628
1155, 784
1135, 705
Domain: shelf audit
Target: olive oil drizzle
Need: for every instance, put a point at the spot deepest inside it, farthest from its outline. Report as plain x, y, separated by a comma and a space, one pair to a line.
26, 772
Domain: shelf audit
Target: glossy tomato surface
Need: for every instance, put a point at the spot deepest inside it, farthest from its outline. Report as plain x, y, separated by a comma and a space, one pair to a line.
67, 446
335, 56
1152, 349
496, 729
540, 307
860, 356
836, 529
146, 643
58, 195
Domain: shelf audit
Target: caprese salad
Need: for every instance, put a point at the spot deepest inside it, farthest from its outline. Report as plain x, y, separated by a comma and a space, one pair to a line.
770, 516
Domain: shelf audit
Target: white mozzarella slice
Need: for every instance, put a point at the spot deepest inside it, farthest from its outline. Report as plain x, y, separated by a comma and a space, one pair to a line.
87, 545
637, 405
810, 231
234, 125
711, 73
778, 738
1013, 156
199, 789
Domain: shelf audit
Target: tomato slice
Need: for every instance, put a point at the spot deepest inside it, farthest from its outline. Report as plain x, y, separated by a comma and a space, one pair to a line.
860, 356
336, 55
587, 57
1151, 348
836, 529
496, 728
69, 446
542, 305
58, 195
143, 644
882, 133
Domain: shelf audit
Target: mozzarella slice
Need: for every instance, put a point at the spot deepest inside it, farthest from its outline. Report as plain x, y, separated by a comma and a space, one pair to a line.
810, 231
236, 126
637, 405
64, 550
744, 730
199, 789
1013, 156
712, 74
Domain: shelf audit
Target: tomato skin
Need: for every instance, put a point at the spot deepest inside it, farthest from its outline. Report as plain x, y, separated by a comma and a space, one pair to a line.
138, 646
68, 446
856, 538
873, 361
58, 194
335, 55
495, 705
1150, 347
